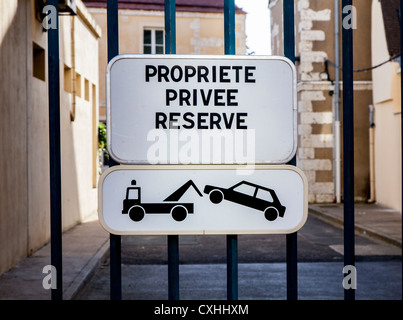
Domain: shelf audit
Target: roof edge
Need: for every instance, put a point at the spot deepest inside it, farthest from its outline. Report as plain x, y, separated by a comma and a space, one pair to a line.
158, 6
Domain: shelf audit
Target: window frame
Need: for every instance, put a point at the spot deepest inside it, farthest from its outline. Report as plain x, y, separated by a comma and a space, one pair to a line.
153, 43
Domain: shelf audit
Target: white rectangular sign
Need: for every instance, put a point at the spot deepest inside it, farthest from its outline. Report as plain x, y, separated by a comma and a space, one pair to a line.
188, 109
144, 199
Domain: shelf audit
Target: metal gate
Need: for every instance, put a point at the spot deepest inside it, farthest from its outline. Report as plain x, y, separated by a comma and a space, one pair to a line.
173, 240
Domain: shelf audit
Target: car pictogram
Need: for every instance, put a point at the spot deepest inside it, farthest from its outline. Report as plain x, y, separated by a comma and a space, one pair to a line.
250, 195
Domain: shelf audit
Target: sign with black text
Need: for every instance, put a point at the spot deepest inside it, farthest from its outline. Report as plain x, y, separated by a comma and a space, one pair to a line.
186, 109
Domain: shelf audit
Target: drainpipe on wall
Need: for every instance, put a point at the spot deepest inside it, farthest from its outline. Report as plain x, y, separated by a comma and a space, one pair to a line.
337, 157
73, 70
337, 162
371, 154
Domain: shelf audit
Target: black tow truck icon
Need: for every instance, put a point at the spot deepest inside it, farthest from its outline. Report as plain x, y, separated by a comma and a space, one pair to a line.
136, 209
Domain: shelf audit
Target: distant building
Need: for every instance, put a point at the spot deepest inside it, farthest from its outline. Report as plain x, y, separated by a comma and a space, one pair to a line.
387, 148
24, 125
199, 30
315, 57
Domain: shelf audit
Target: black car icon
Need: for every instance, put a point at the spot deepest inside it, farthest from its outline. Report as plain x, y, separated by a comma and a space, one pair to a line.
250, 195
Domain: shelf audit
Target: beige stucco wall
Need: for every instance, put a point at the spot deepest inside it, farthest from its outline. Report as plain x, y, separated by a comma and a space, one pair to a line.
13, 132
79, 192
386, 98
24, 131
38, 143
196, 33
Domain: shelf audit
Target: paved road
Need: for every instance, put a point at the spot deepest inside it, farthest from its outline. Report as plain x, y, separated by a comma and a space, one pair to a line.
262, 268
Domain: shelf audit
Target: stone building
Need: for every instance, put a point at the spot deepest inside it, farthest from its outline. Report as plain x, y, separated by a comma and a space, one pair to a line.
315, 57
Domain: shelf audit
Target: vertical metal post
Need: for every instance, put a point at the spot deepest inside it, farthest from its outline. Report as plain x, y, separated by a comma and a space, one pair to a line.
289, 29
115, 267
114, 240
291, 239
170, 27
232, 267
348, 142
173, 267
113, 29
292, 266
173, 240
54, 154
232, 240
229, 26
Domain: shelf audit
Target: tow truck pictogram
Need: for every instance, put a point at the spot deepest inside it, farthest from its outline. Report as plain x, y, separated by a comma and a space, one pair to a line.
136, 209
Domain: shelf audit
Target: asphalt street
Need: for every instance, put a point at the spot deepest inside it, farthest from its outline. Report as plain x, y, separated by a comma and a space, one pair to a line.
262, 267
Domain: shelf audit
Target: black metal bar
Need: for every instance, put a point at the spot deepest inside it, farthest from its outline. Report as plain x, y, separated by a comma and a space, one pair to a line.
289, 30
348, 143
170, 27
113, 28
291, 239
232, 267
173, 267
292, 266
115, 266
232, 240
54, 154
229, 26
114, 240
173, 240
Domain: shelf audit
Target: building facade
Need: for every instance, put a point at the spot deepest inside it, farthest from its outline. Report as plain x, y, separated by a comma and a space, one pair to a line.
386, 151
24, 123
320, 150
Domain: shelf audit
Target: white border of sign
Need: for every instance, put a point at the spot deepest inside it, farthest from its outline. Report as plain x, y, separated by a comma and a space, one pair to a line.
158, 230
201, 57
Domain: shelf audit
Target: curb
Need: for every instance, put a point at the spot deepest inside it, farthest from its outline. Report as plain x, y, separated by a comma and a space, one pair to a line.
359, 229
86, 273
